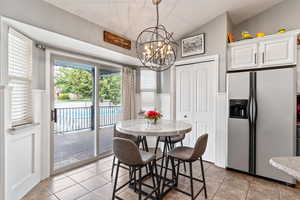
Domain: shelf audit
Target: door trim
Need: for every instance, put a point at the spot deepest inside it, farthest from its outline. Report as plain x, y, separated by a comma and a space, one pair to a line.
213, 58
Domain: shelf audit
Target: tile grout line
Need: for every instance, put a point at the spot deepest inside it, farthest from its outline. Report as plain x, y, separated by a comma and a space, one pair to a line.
218, 188
250, 182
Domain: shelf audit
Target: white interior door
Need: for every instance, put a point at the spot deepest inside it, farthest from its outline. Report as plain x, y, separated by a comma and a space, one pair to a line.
196, 90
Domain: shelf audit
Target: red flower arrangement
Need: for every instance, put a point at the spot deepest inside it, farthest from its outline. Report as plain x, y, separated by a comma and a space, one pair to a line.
153, 115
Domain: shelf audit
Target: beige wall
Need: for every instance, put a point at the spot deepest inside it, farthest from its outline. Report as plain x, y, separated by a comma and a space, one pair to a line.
41, 14
283, 15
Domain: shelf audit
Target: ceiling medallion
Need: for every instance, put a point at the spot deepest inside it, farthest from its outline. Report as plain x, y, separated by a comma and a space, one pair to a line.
155, 46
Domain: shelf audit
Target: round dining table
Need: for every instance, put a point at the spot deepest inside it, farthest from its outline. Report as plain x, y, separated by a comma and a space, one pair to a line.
163, 128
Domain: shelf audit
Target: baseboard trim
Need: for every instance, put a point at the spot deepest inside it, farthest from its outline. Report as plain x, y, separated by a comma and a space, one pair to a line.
262, 177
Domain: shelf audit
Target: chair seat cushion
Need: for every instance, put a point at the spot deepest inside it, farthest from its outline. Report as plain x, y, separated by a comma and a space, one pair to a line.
147, 156
174, 139
182, 153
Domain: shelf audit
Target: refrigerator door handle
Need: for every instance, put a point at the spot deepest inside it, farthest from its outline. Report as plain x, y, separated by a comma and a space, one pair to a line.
255, 110
249, 108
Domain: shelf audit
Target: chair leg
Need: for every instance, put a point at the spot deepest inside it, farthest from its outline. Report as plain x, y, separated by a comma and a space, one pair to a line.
184, 165
116, 181
164, 153
203, 177
134, 176
151, 166
173, 169
140, 183
165, 176
177, 177
156, 145
191, 179
113, 167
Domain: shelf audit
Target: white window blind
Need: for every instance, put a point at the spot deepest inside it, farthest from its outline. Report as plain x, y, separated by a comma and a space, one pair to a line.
20, 74
148, 90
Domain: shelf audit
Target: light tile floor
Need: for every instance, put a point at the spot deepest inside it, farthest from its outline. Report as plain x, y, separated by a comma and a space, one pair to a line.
93, 182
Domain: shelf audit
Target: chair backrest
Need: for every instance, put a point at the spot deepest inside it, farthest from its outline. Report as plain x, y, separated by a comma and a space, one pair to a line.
200, 147
125, 136
127, 152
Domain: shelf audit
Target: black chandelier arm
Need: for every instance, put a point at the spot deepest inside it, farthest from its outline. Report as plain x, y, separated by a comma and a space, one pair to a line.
148, 30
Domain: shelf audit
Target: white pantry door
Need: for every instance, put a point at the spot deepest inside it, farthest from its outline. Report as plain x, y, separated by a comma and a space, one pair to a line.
196, 89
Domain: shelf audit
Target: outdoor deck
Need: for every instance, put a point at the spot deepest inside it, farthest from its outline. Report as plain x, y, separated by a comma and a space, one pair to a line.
74, 137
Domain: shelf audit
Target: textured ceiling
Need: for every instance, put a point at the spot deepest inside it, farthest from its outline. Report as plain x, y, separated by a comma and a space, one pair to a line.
129, 17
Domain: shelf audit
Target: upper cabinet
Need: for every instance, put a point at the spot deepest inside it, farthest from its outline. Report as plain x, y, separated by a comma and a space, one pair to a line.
270, 51
243, 56
278, 52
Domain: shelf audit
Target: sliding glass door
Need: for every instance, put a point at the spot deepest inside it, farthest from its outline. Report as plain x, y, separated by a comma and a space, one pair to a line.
72, 113
109, 102
86, 103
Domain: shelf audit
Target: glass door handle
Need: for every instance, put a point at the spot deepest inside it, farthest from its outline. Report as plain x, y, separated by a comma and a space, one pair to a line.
54, 115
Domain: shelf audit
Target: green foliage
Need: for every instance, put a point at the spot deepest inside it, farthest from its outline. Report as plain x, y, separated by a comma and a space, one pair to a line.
110, 88
79, 82
74, 81
63, 97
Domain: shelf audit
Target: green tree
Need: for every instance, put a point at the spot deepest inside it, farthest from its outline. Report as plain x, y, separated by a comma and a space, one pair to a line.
79, 82
110, 88
74, 81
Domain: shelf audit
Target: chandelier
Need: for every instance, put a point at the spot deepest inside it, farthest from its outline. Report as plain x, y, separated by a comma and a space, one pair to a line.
155, 46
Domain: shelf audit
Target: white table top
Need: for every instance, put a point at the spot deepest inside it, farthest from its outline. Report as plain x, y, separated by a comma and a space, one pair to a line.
289, 165
163, 127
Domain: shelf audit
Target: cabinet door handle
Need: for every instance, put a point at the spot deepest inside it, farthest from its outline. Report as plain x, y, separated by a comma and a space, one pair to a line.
255, 58
263, 57
185, 116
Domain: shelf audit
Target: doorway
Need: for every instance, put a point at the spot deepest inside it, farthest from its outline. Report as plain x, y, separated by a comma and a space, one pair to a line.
85, 105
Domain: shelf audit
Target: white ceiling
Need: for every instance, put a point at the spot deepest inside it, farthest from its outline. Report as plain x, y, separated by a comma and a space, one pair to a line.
129, 17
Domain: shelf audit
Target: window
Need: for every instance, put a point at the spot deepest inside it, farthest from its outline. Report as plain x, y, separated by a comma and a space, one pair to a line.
20, 73
148, 90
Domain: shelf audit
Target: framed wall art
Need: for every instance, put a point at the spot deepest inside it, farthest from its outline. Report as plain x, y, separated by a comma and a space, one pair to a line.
193, 45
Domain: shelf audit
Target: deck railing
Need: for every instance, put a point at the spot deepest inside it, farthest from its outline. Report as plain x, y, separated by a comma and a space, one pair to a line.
74, 119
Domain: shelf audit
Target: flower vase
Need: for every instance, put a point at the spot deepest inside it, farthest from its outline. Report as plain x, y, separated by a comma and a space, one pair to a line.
151, 122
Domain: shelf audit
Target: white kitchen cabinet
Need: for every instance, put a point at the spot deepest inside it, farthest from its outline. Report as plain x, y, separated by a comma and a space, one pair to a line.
243, 56
278, 52
269, 51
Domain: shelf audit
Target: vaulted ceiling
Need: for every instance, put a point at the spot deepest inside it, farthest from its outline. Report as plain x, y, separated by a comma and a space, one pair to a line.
129, 17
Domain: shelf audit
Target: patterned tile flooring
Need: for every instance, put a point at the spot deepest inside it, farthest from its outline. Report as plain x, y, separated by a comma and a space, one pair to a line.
93, 182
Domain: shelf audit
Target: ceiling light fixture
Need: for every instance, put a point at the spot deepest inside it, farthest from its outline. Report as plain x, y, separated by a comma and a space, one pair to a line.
155, 46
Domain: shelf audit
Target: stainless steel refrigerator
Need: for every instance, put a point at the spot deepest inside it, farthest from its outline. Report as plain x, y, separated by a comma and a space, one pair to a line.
262, 120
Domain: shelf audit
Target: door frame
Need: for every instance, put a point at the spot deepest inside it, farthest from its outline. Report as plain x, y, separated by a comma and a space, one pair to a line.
47, 147
213, 58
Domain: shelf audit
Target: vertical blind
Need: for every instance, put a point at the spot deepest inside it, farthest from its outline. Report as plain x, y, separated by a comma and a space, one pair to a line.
20, 75
148, 90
